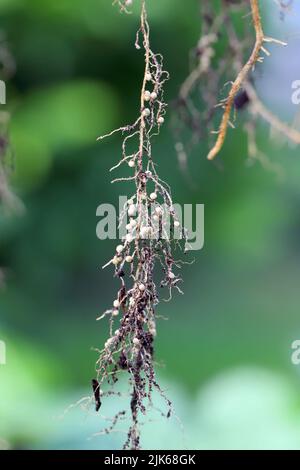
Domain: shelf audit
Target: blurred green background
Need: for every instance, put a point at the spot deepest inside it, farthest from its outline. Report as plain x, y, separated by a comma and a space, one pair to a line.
225, 350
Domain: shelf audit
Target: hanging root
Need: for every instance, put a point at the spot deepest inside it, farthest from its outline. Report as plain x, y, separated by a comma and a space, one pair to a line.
130, 347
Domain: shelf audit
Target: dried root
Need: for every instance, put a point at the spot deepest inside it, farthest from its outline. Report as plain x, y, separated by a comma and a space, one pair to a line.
209, 72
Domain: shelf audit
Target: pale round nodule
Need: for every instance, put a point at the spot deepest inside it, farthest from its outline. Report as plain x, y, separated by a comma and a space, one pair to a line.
142, 287
145, 231
171, 275
160, 120
116, 260
116, 304
129, 259
109, 342
153, 95
148, 76
176, 223
129, 238
128, 3
153, 196
131, 163
119, 248
115, 313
